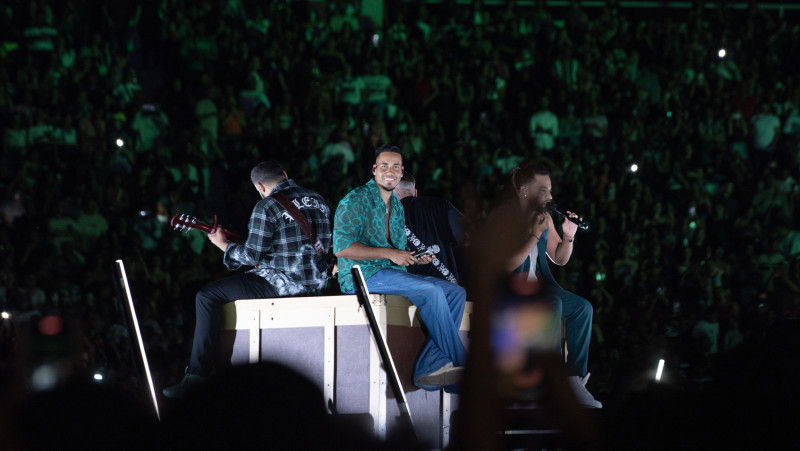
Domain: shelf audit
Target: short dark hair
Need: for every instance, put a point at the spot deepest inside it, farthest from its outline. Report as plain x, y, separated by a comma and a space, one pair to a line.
269, 171
521, 175
388, 147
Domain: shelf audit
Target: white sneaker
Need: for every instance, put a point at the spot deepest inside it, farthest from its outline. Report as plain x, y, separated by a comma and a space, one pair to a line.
584, 397
444, 376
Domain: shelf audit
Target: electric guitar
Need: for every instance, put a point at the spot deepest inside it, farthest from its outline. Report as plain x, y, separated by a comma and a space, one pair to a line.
184, 223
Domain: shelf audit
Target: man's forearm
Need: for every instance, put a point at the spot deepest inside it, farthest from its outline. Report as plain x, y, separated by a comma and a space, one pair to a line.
563, 251
360, 251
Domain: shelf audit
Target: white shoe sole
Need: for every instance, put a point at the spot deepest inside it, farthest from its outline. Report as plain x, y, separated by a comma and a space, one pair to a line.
448, 376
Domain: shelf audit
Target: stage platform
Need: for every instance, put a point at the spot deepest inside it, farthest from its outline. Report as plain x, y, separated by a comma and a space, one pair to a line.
328, 339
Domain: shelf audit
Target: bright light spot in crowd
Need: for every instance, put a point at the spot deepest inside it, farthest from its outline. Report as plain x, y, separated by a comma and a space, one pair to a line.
5, 315
659, 370
634, 167
44, 377
721, 53
98, 377
119, 142
669, 113
51, 325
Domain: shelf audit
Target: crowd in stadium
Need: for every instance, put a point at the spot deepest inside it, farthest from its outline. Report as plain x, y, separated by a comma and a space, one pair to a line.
684, 158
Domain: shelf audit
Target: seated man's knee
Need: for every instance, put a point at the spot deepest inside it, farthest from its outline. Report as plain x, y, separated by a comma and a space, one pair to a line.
586, 307
429, 293
204, 297
459, 292
433, 291
572, 304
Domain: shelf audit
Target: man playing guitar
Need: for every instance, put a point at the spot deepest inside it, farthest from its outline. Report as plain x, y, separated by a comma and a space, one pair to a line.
286, 246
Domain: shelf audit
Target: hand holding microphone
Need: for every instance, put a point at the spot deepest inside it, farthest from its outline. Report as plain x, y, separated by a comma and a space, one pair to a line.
554, 208
539, 223
427, 251
407, 257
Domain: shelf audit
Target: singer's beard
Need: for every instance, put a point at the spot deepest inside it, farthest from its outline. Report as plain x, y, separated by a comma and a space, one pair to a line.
537, 207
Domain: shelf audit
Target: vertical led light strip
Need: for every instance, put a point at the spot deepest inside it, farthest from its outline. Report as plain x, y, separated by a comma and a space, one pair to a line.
362, 292
132, 314
659, 370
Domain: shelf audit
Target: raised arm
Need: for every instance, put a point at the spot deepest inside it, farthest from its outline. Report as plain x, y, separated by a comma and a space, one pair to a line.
560, 249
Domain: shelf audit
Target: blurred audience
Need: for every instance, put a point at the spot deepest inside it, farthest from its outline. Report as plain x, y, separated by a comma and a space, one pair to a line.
685, 159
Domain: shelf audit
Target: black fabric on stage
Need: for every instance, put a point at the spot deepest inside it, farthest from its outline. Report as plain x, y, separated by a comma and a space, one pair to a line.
435, 221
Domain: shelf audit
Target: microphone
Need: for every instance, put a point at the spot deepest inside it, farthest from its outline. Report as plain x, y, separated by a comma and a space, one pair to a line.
554, 208
428, 251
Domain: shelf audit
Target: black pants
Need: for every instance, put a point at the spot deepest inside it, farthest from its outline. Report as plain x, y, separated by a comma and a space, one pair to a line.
208, 303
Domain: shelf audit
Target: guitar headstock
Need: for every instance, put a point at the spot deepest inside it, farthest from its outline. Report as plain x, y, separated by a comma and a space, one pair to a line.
184, 223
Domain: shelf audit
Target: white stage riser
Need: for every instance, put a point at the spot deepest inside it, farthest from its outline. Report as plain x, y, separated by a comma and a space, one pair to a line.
328, 339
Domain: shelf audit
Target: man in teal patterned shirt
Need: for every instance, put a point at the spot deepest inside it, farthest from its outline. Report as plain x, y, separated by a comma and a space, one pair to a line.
369, 230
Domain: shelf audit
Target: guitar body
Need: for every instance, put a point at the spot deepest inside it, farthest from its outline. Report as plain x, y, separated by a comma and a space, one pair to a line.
184, 223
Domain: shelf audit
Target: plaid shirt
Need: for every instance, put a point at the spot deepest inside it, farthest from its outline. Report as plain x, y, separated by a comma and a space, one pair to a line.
277, 247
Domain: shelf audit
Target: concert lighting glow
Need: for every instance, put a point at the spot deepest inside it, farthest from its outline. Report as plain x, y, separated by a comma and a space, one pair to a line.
721, 53
44, 377
659, 370
51, 325
123, 278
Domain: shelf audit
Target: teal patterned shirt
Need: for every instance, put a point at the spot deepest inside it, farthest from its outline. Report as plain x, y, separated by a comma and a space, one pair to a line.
361, 217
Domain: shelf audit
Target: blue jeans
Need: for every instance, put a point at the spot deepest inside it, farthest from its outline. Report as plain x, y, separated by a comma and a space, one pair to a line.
441, 306
574, 310
577, 314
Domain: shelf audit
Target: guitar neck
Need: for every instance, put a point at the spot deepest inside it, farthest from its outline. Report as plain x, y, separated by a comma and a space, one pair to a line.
205, 227
188, 222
